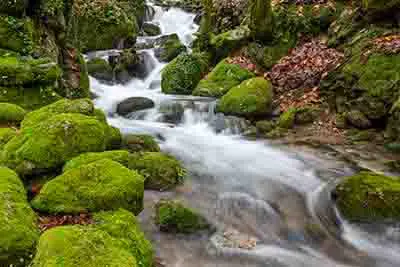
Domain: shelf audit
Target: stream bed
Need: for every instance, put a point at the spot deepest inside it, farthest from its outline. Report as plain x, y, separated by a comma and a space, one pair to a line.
270, 205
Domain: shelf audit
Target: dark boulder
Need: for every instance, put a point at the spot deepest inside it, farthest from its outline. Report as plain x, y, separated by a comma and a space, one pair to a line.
133, 104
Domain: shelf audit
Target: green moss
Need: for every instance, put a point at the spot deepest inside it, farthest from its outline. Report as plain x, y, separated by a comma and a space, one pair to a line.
261, 19
120, 156
161, 171
100, 185
16, 71
151, 29
287, 119
79, 106
99, 25
306, 115
16, 34
29, 98
222, 78
182, 74
114, 138
84, 82
369, 197
100, 115
100, 69
51, 143
13, 7
123, 226
11, 113
6, 134
18, 229
226, 42
51, 7
140, 143
170, 49
251, 98
173, 216
264, 127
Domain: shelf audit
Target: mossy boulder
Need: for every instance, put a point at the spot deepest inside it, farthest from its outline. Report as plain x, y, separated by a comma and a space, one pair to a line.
99, 25
114, 239
29, 98
18, 71
6, 134
226, 42
13, 7
161, 171
222, 78
101, 185
140, 143
16, 34
169, 48
287, 119
183, 74
173, 216
120, 156
100, 69
251, 98
49, 144
368, 196
11, 113
18, 226
151, 29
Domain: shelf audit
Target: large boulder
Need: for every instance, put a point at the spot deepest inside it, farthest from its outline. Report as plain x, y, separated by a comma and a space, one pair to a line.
101, 185
169, 48
10, 113
161, 171
251, 98
183, 74
133, 104
173, 216
368, 196
49, 144
113, 240
99, 25
226, 42
129, 65
18, 226
222, 78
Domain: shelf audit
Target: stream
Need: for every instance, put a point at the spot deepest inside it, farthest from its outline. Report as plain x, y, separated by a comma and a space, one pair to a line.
270, 204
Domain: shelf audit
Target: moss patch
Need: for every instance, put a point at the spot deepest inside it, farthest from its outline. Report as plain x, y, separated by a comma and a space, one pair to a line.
173, 216
161, 171
222, 78
140, 143
170, 48
101, 185
10, 113
251, 98
6, 134
18, 229
16, 34
369, 197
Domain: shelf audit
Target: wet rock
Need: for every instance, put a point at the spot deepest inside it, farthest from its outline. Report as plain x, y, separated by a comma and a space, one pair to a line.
133, 104
151, 29
232, 124
131, 65
169, 47
100, 69
173, 216
140, 143
358, 119
171, 112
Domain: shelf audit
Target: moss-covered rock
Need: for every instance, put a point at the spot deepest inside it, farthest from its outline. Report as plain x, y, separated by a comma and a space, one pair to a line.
251, 98
287, 119
357, 119
100, 69
16, 34
140, 143
222, 78
29, 98
182, 74
225, 42
100, 25
13, 7
114, 138
16, 71
18, 229
49, 144
161, 171
120, 156
169, 48
100, 185
6, 134
173, 216
369, 197
10, 113
114, 239
265, 126
151, 29
306, 114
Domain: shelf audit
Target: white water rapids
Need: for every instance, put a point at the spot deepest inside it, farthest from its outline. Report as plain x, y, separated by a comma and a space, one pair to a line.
271, 193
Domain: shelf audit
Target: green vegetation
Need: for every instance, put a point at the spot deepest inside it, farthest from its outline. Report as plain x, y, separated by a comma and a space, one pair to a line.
100, 69
16, 34
170, 49
101, 185
6, 134
369, 197
222, 78
173, 216
18, 230
251, 98
161, 171
10, 113
287, 119
140, 143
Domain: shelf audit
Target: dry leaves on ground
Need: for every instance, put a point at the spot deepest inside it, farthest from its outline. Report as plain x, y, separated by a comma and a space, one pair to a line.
50, 221
388, 44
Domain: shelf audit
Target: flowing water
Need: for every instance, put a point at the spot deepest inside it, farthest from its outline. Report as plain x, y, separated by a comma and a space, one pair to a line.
270, 205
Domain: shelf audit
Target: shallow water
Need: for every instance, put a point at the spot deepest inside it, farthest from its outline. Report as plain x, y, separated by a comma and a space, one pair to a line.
275, 198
